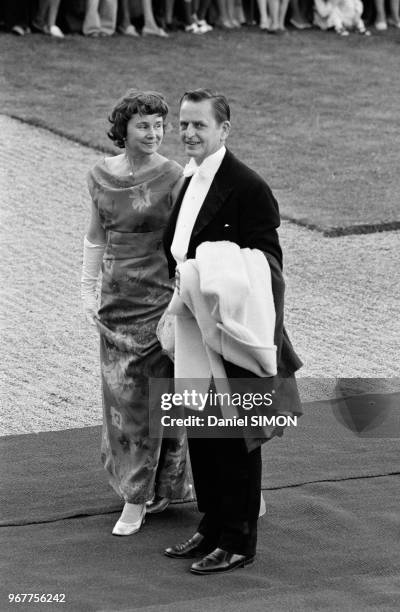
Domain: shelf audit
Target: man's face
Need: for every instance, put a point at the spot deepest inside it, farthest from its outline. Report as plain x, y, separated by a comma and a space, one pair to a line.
200, 132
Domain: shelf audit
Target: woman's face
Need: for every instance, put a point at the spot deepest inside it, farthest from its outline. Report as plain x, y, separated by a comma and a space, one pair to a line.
144, 134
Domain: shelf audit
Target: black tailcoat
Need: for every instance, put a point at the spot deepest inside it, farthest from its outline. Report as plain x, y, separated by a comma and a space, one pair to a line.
239, 207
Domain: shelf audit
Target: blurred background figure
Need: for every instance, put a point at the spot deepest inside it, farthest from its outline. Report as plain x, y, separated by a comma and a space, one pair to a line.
227, 14
17, 15
381, 22
341, 15
124, 23
71, 16
201, 15
239, 12
150, 26
277, 10
45, 18
125, 14
220, 12
299, 14
100, 18
191, 22
264, 19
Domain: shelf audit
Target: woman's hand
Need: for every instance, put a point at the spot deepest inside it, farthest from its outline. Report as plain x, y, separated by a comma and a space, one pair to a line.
90, 308
91, 265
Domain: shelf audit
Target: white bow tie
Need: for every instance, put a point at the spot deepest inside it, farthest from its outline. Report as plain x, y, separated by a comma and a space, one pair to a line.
191, 168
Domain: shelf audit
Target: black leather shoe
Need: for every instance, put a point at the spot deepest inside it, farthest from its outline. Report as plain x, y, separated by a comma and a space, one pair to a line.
219, 561
196, 546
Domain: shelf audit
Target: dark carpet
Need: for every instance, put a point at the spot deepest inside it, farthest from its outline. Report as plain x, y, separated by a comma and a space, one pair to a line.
59, 474
323, 546
329, 540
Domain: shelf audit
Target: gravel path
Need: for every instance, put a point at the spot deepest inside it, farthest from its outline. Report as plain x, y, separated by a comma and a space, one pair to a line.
343, 294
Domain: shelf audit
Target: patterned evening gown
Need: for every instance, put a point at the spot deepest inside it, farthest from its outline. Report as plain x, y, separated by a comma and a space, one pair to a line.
135, 291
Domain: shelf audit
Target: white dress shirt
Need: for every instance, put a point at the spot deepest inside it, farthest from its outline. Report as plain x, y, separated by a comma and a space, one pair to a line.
193, 199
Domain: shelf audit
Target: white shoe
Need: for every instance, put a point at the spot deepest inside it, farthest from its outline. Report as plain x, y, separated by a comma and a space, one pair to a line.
264, 25
300, 25
125, 526
263, 509
361, 29
18, 30
55, 31
193, 28
157, 32
130, 31
393, 22
203, 26
381, 26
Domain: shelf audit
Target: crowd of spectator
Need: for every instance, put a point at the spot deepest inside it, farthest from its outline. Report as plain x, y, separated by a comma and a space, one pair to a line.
97, 18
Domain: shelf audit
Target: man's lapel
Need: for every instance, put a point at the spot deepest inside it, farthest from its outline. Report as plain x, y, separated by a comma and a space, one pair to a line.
215, 198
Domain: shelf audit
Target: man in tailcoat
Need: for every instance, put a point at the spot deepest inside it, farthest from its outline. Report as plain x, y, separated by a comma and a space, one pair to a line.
222, 199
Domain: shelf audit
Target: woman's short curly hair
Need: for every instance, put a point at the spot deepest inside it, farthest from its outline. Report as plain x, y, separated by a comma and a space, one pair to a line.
134, 101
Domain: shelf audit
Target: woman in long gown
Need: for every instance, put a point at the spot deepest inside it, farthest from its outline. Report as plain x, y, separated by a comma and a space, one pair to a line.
132, 194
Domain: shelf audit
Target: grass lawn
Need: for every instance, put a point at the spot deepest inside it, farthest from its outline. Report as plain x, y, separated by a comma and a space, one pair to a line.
315, 114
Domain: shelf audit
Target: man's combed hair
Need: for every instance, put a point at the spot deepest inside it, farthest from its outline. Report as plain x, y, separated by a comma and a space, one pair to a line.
132, 103
222, 112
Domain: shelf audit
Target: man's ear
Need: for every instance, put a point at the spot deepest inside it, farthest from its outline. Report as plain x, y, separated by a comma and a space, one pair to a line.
226, 126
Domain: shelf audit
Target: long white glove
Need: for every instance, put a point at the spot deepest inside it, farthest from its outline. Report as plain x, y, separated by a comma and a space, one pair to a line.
91, 266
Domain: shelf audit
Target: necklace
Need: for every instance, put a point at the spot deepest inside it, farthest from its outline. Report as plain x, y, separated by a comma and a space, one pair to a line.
134, 169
